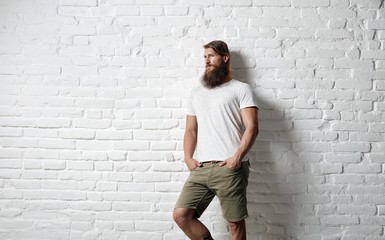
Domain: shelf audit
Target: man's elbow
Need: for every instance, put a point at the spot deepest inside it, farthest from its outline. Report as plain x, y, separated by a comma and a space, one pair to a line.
256, 131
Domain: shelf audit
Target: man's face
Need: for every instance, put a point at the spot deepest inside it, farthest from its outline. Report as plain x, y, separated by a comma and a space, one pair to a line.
217, 72
212, 59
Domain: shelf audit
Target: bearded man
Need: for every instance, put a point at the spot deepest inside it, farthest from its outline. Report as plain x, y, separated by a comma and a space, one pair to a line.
221, 126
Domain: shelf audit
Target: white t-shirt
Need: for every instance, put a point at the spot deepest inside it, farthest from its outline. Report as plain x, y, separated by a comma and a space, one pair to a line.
218, 112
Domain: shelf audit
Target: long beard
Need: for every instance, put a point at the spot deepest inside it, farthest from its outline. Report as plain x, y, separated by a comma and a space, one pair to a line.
215, 77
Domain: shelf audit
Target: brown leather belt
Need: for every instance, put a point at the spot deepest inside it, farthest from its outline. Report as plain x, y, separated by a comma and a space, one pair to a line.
212, 162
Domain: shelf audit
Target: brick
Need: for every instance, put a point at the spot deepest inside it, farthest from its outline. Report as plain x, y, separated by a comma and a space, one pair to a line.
93, 145
368, 137
377, 157
358, 64
74, 11
54, 165
338, 220
11, 194
40, 91
132, 207
117, 155
151, 135
147, 156
91, 123
348, 179
343, 158
163, 146
39, 174
10, 132
163, 125
78, 3
365, 189
56, 144
132, 145
41, 194
283, 3
80, 165
377, 128
16, 225
308, 124
268, 22
349, 126
136, 187
351, 147
358, 105
375, 24
125, 125
19, 142
363, 168
321, 136
329, 94
73, 196
375, 179
143, 92
151, 177
95, 103
313, 147
77, 134
364, 231
312, 63
132, 167
347, 84
337, 11
152, 226
331, 168
381, 210
295, 33
40, 132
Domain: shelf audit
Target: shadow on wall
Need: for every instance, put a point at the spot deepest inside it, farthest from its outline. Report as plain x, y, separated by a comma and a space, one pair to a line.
271, 194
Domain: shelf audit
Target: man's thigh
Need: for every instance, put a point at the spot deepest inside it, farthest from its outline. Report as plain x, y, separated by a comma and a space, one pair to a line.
195, 193
230, 187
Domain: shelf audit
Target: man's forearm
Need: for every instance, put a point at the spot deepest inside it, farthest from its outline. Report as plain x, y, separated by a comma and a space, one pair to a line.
247, 142
189, 144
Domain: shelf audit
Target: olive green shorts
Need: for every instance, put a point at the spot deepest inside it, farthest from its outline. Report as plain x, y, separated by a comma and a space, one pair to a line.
210, 180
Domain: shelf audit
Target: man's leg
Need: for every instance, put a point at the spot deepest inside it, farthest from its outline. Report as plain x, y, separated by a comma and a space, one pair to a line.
191, 226
238, 230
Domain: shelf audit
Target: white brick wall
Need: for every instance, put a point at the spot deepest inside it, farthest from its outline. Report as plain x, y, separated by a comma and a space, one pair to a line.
92, 102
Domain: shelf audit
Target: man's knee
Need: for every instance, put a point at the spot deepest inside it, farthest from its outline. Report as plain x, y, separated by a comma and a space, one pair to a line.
183, 216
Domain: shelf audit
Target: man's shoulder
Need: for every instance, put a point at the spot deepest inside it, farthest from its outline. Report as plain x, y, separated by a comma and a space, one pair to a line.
240, 86
240, 83
196, 89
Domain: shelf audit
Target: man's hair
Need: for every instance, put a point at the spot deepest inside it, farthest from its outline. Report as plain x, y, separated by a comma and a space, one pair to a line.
220, 47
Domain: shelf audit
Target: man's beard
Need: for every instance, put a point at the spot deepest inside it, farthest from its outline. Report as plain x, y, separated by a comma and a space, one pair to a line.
215, 77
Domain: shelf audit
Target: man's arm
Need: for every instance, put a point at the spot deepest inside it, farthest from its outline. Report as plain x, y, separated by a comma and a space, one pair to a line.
190, 141
250, 121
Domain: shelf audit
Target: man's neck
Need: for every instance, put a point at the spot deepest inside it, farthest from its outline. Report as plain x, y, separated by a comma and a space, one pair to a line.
227, 79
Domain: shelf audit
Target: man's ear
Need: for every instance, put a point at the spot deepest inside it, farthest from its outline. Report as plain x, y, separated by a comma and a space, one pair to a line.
226, 58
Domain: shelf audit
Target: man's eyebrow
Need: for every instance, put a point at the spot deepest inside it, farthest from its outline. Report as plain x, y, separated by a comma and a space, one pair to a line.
209, 54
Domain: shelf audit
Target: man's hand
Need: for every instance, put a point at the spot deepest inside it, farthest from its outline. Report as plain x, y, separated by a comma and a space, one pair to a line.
192, 163
233, 163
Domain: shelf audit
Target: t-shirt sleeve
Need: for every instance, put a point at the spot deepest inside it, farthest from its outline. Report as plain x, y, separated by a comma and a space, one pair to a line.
190, 107
247, 97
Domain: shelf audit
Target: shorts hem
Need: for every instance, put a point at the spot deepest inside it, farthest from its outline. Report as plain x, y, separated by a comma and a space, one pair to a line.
236, 219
